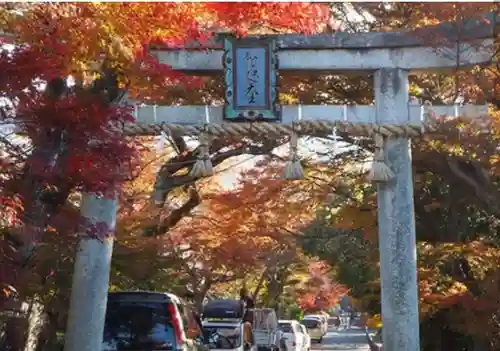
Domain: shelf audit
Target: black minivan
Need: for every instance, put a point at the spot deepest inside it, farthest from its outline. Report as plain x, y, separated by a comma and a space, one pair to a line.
152, 321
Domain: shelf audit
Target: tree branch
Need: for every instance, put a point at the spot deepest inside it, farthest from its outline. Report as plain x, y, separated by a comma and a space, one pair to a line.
176, 215
471, 175
167, 181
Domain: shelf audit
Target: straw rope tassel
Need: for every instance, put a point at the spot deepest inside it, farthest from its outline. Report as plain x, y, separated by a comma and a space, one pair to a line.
379, 172
293, 169
203, 165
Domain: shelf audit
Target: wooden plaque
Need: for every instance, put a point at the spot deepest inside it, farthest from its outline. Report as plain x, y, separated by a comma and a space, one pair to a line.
251, 73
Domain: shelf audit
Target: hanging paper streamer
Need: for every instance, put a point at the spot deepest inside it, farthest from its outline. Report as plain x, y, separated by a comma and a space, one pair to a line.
293, 169
203, 165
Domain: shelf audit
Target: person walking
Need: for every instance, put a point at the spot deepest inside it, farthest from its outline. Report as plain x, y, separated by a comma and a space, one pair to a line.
249, 305
248, 339
351, 318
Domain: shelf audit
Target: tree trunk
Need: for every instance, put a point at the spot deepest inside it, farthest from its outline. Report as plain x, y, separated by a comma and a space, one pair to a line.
199, 296
260, 284
276, 284
42, 196
14, 331
48, 337
36, 321
482, 345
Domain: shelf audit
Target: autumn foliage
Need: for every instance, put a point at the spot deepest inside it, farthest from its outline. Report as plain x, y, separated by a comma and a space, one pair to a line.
320, 293
203, 237
65, 73
238, 231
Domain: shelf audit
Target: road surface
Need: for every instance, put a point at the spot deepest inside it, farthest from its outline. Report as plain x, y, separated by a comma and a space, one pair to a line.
346, 340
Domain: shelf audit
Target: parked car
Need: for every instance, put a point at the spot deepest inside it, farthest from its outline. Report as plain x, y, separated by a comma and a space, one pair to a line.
307, 338
226, 335
323, 321
265, 329
293, 334
314, 328
142, 320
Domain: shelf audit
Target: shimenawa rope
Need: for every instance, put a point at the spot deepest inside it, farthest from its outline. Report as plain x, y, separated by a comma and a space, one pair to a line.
379, 172
274, 129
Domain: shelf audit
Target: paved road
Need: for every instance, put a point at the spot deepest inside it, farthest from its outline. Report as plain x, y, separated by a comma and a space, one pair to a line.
346, 340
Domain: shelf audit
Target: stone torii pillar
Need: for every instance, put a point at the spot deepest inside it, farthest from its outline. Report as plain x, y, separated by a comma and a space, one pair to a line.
396, 219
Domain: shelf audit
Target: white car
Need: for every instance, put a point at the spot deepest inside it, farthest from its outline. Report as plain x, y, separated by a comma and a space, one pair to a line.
321, 319
314, 329
307, 338
293, 334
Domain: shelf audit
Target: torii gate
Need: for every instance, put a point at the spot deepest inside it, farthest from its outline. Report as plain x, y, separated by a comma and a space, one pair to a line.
392, 121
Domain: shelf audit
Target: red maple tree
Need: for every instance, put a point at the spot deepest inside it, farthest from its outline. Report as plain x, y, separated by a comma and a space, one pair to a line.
320, 292
71, 142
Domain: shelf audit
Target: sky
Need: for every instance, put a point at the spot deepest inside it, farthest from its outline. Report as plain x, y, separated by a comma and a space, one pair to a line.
307, 149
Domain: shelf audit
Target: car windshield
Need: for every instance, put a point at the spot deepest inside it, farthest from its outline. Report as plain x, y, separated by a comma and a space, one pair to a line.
313, 317
286, 327
132, 325
310, 323
222, 337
